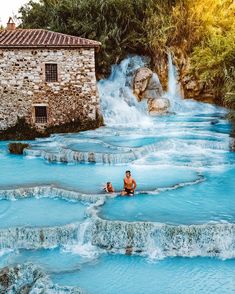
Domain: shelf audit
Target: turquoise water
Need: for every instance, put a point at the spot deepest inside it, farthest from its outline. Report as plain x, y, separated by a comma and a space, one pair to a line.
124, 274
40, 212
87, 178
184, 169
212, 200
131, 274
53, 261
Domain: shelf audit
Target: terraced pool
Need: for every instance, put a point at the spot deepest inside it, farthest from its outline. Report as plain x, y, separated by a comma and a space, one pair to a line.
176, 235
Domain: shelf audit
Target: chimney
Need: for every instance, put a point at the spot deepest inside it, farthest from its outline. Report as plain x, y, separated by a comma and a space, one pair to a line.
11, 26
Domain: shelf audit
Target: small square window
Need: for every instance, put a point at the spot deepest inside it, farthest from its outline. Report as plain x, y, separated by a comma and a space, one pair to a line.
51, 72
40, 114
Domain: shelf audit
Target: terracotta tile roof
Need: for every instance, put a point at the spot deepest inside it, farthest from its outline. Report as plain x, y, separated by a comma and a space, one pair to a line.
38, 38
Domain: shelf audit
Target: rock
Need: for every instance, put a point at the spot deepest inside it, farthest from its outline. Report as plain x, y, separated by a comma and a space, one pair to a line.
141, 81
23, 131
158, 106
17, 148
129, 250
154, 88
146, 84
27, 278
192, 86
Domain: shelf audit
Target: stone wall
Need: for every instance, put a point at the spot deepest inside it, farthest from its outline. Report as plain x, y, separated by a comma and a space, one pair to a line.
23, 85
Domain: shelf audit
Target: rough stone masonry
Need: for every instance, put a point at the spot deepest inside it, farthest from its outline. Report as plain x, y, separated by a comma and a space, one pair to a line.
47, 78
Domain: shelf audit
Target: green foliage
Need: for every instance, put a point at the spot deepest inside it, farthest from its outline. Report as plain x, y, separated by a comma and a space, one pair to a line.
204, 31
213, 60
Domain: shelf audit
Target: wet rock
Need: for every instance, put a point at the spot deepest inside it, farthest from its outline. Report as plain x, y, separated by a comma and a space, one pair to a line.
232, 145
23, 131
27, 278
146, 84
141, 80
192, 86
129, 250
158, 106
17, 148
4, 278
20, 131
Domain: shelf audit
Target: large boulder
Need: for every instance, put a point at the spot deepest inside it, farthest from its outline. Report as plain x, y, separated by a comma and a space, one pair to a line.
158, 106
146, 84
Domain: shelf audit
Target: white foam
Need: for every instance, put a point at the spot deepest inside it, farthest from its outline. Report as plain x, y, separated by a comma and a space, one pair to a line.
5, 251
119, 105
83, 246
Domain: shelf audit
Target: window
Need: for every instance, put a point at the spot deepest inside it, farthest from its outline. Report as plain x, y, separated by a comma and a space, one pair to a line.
41, 114
51, 72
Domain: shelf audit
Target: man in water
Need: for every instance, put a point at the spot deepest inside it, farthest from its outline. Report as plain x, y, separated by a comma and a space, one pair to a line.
129, 185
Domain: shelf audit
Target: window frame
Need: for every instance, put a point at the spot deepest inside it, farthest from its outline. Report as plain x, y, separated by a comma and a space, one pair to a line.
41, 119
51, 75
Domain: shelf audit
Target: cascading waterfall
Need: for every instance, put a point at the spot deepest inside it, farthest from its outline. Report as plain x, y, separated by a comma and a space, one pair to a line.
160, 240
174, 94
121, 111
173, 91
121, 108
119, 105
83, 246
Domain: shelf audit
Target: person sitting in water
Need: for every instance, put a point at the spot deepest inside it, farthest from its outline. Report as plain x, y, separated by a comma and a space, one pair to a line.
109, 188
129, 185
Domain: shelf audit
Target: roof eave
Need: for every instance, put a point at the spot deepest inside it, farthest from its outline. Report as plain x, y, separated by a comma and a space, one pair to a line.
50, 47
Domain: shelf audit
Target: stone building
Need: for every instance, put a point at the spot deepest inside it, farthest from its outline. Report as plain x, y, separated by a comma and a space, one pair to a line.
48, 78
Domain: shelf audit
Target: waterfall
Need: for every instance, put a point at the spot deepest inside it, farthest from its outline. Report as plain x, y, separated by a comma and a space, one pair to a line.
158, 240
121, 108
51, 192
174, 94
68, 156
118, 104
35, 238
83, 246
173, 91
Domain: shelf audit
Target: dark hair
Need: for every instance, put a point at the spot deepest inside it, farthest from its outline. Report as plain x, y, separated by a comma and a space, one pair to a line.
128, 171
108, 183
